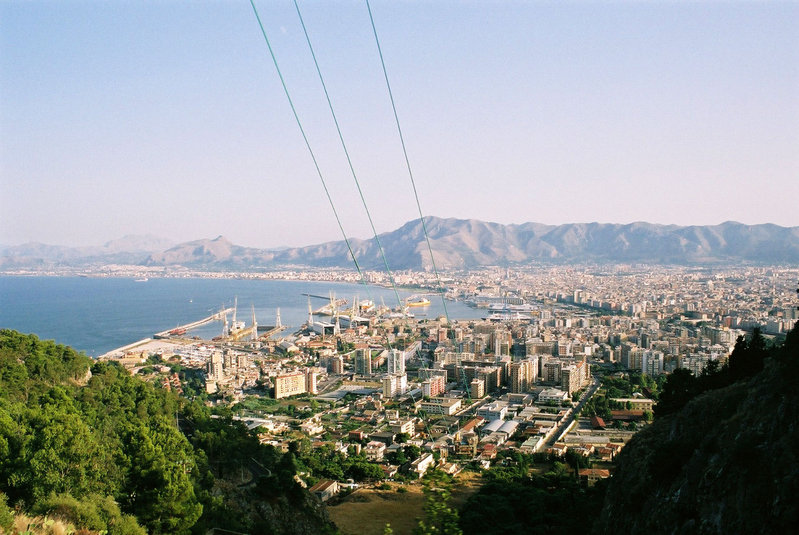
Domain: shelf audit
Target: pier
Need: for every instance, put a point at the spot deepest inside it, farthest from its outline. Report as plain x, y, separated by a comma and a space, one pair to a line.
263, 331
330, 308
317, 296
270, 330
184, 328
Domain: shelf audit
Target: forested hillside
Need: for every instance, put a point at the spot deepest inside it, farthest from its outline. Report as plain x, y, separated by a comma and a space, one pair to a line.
89, 443
722, 454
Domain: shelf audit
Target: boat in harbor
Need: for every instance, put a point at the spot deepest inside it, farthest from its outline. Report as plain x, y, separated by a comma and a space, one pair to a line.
417, 301
366, 307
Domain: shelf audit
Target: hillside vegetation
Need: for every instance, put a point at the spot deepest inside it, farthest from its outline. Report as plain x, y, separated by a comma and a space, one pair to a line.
88, 443
722, 455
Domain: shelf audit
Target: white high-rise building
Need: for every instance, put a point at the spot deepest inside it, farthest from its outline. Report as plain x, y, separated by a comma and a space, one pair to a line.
652, 363
395, 385
215, 369
396, 362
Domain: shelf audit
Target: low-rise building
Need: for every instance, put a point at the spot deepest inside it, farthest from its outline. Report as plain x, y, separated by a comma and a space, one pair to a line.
421, 464
312, 428
552, 395
493, 411
325, 489
403, 426
445, 406
636, 404
374, 450
591, 475
532, 444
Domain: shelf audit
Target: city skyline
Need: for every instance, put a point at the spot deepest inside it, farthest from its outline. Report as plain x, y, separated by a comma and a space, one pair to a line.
170, 120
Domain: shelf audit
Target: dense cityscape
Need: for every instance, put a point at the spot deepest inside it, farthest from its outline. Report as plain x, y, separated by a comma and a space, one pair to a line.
399, 268
567, 363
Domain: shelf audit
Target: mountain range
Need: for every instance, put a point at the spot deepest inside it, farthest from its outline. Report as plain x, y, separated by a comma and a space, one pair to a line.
129, 249
457, 243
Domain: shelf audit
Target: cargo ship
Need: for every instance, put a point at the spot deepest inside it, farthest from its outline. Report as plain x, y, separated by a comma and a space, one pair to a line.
417, 301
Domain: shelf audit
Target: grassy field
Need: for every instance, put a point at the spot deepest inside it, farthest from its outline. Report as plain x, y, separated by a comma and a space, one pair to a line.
367, 511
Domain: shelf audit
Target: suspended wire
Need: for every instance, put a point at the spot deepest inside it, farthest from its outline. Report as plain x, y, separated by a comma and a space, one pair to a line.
307, 143
407, 160
347, 154
311, 152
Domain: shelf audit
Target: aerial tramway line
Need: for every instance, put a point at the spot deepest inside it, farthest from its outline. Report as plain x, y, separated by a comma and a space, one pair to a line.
347, 154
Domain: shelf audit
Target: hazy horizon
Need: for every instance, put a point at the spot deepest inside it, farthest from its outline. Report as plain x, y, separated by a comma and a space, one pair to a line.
363, 237
168, 119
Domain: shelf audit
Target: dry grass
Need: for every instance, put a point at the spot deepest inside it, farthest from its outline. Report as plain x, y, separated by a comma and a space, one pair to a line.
42, 525
367, 511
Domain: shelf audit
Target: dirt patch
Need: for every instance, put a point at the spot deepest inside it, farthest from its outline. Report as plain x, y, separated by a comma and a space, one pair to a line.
367, 511
466, 484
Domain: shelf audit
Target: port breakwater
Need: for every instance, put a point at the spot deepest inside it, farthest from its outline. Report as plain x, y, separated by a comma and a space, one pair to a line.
187, 327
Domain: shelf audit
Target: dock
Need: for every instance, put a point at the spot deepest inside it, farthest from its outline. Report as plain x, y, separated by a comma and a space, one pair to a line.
263, 331
235, 336
330, 309
326, 298
213, 317
267, 331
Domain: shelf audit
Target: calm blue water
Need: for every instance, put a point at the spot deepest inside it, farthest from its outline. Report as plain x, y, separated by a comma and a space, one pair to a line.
96, 315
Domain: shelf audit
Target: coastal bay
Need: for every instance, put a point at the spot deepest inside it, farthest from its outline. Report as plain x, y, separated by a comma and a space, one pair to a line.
98, 314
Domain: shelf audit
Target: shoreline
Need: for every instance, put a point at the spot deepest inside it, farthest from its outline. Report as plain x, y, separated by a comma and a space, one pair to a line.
334, 276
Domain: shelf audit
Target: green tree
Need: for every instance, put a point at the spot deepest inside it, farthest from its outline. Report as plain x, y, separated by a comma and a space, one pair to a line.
63, 455
95, 512
440, 518
6, 516
748, 356
680, 387
363, 471
162, 495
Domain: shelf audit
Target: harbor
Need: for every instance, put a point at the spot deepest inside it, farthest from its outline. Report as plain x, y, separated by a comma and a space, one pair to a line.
121, 311
233, 331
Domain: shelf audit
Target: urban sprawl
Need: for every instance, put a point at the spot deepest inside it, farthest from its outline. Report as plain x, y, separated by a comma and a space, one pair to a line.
407, 392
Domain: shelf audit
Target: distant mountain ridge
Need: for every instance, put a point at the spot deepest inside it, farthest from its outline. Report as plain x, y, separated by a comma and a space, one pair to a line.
130, 249
465, 243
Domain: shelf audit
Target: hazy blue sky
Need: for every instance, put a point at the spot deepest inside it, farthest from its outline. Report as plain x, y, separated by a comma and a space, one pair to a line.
168, 117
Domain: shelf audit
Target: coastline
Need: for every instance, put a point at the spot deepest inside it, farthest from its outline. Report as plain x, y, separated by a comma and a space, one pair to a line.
297, 274
101, 313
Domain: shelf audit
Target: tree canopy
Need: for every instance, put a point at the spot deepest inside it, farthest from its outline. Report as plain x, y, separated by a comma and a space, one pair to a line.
92, 443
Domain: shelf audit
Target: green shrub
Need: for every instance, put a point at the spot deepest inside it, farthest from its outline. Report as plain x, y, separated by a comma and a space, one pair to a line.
6, 516
96, 513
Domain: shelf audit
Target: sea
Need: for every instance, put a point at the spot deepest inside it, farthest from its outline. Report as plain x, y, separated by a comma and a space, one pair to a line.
96, 315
